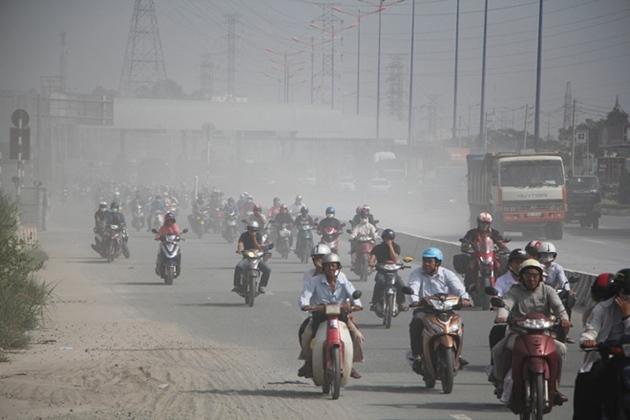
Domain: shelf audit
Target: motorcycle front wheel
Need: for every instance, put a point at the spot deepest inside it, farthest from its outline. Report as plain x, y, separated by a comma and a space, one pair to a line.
363, 269
125, 250
335, 361
110, 252
170, 274
251, 290
447, 356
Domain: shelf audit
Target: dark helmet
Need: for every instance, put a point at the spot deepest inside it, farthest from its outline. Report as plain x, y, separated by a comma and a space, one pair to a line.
519, 254
114, 205
276, 200
168, 217
102, 206
231, 200
622, 279
304, 211
603, 288
532, 247
388, 234
284, 208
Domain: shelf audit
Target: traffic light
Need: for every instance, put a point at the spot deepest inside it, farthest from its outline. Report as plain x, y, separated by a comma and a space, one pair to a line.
14, 146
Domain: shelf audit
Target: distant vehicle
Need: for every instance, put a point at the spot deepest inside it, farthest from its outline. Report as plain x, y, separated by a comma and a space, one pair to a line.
379, 185
584, 200
346, 183
308, 178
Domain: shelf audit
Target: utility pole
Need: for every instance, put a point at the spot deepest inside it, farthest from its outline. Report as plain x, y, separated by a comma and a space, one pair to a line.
482, 110
454, 130
525, 129
573, 140
538, 73
231, 69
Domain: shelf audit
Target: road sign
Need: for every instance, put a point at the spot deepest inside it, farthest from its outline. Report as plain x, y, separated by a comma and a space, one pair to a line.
581, 136
20, 140
20, 115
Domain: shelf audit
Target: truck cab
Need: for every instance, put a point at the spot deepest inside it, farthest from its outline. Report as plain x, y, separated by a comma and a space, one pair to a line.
584, 200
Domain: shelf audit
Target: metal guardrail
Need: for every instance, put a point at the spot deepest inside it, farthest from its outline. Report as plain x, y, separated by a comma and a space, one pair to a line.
413, 246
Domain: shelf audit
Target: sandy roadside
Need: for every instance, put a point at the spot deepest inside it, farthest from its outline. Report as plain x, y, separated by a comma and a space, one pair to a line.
97, 359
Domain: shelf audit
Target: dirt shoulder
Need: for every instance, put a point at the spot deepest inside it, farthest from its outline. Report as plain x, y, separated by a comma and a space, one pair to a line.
95, 358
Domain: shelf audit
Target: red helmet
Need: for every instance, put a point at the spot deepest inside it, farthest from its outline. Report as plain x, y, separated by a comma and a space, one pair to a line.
257, 208
602, 287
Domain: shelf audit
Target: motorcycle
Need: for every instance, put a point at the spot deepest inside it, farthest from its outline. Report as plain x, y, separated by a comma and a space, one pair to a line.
616, 356
330, 237
197, 222
116, 242
229, 228
283, 238
362, 249
483, 268
170, 256
531, 383
333, 351
442, 339
387, 308
304, 242
217, 218
251, 274
137, 215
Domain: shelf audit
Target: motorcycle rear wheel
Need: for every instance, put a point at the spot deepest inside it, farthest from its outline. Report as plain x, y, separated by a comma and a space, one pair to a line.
335, 361
125, 251
170, 274
447, 357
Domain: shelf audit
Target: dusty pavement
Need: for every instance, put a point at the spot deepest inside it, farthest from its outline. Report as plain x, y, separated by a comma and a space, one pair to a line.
95, 358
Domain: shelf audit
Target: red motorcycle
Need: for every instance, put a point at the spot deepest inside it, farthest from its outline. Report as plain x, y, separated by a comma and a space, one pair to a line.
483, 267
333, 351
330, 237
362, 248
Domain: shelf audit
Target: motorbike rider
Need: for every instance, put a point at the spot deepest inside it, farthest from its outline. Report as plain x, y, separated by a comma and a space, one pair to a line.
259, 216
330, 287
100, 221
169, 227
360, 211
115, 216
230, 205
303, 219
427, 280
364, 231
596, 383
329, 220
532, 249
251, 239
156, 205
387, 250
117, 199
602, 288
530, 294
283, 217
296, 208
248, 206
274, 209
137, 200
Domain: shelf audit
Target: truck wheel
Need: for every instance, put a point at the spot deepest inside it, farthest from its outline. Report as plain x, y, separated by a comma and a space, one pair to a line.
596, 223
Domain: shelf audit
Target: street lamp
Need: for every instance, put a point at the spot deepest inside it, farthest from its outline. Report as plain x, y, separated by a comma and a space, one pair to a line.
332, 39
482, 119
538, 70
454, 135
312, 44
286, 68
358, 15
380, 7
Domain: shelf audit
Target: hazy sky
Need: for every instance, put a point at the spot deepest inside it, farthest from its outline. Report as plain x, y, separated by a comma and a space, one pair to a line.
585, 42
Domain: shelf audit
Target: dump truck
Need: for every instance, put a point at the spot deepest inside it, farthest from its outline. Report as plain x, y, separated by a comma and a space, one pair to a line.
525, 192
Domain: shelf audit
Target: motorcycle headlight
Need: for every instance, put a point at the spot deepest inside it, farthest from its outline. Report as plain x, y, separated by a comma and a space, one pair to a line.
535, 324
250, 254
389, 267
113, 227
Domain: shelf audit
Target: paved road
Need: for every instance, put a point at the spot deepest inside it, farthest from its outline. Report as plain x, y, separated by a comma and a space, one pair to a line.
201, 303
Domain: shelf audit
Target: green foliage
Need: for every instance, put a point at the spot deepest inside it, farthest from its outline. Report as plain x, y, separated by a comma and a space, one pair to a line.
22, 297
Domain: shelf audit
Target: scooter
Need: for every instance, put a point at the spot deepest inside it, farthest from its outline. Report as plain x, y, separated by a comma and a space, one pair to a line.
387, 308
137, 220
534, 372
362, 249
116, 242
304, 242
330, 237
283, 238
170, 256
251, 274
197, 222
229, 229
333, 351
442, 338
483, 267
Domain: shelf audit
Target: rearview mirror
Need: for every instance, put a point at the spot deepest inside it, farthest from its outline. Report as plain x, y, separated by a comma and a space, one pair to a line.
185, 230
154, 230
357, 294
489, 290
408, 290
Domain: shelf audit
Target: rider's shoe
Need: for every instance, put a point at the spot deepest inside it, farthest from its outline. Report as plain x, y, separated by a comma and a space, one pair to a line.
354, 374
403, 307
418, 365
261, 290
559, 398
305, 371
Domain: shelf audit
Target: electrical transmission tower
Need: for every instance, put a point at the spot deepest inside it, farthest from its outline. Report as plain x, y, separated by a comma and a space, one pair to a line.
231, 51
327, 23
568, 107
206, 76
395, 82
144, 62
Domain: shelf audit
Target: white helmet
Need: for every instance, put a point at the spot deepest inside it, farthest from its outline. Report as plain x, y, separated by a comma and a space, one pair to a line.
253, 225
320, 249
547, 252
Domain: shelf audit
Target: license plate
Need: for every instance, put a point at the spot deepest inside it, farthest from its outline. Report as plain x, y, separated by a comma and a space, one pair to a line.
580, 214
533, 214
